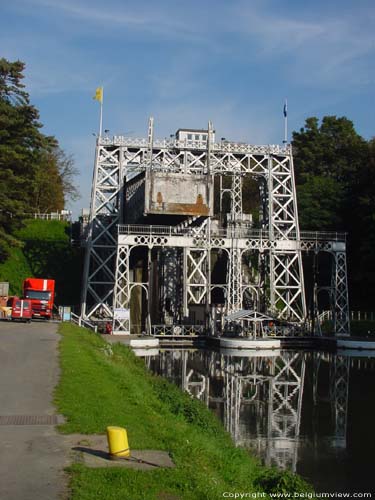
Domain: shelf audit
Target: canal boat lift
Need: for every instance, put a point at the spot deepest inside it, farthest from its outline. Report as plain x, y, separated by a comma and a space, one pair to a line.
154, 240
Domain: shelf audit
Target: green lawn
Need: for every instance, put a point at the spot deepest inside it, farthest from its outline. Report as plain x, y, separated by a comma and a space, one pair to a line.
102, 385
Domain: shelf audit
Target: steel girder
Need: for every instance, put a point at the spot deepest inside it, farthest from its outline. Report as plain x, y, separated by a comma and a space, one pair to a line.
196, 265
101, 245
235, 285
341, 320
287, 294
119, 158
122, 289
234, 271
196, 245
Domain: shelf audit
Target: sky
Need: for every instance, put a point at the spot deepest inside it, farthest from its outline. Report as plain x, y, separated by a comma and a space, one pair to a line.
233, 62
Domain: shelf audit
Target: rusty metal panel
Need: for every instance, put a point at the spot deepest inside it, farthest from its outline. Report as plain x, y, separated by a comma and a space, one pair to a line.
178, 194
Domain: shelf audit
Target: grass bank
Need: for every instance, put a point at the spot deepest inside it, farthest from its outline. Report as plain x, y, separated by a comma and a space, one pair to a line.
102, 385
42, 249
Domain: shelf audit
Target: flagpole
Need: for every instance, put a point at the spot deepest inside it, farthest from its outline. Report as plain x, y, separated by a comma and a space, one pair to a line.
286, 122
101, 114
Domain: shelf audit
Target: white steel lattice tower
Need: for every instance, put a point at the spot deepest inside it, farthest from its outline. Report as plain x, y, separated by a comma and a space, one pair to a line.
286, 274
235, 254
126, 167
101, 246
340, 299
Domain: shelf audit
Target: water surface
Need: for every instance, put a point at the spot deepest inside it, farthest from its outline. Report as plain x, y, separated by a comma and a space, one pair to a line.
311, 412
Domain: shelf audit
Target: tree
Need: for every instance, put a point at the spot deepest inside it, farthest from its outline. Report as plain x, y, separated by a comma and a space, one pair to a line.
335, 177
318, 199
54, 181
67, 172
328, 159
35, 174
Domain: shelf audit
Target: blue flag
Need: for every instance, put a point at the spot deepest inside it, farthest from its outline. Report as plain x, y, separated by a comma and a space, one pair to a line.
285, 110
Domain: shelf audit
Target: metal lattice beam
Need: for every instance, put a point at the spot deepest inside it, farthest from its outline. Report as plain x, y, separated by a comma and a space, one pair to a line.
287, 293
121, 158
122, 289
196, 275
101, 248
341, 321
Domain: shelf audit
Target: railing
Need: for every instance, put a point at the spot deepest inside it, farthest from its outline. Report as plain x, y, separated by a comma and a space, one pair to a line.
322, 236
78, 320
225, 146
362, 316
325, 316
225, 233
49, 216
177, 330
353, 315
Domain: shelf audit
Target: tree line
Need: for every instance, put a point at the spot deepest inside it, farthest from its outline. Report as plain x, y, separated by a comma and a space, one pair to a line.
36, 175
335, 178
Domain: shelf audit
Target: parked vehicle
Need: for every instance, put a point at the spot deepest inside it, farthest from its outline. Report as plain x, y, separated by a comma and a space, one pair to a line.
21, 309
41, 292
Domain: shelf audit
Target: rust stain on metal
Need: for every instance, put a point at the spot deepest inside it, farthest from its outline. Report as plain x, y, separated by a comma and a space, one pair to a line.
159, 198
186, 208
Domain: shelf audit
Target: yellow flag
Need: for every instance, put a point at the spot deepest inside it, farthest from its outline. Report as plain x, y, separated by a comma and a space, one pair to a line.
99, 94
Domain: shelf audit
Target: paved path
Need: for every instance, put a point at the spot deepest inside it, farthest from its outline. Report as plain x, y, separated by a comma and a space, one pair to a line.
32, 457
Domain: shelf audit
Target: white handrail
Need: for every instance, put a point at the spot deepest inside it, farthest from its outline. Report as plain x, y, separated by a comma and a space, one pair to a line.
78, 320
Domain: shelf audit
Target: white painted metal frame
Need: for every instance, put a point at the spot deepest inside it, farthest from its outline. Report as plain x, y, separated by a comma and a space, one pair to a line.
287, 294
196, 275
122, 289
341, 320
120, 158
101, 248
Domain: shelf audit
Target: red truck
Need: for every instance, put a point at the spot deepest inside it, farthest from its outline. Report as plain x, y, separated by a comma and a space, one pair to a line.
41, 292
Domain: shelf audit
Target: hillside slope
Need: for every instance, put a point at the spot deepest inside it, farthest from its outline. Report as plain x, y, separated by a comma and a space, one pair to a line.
45, 253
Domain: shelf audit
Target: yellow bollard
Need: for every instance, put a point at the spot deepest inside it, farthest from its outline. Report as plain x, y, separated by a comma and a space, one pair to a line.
118, 442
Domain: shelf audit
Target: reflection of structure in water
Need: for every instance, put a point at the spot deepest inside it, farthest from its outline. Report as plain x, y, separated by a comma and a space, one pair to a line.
339, 370
272, 393
259, 396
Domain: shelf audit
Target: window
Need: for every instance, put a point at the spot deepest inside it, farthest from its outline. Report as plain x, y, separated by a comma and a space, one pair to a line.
190, 137
197, 137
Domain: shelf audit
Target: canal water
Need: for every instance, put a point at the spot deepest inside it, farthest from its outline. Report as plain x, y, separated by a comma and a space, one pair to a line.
311, 412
